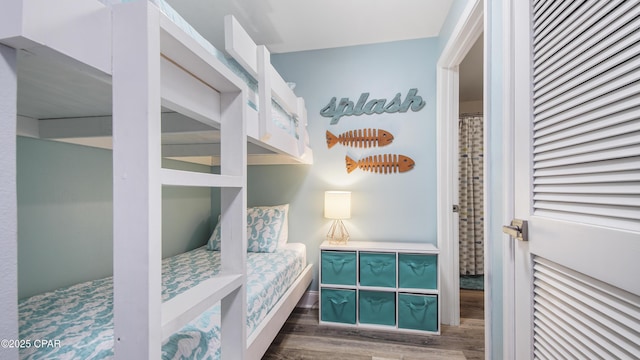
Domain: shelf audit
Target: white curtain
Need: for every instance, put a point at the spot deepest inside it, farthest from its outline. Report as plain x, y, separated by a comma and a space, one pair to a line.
471, 226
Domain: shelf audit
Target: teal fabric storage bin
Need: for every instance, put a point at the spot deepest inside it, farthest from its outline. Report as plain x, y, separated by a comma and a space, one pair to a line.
338, 267
418, 312
338, 306
377, 307
418, 271
378, 269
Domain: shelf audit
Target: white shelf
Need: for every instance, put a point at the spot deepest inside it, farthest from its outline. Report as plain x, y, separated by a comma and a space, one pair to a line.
185, 307
190, 178
182, 49
404, 247
344, 268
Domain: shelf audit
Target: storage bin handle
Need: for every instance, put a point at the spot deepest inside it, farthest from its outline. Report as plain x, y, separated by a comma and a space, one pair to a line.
418, 268
418, 311
377, 266
340, 263
338, 304
376, 303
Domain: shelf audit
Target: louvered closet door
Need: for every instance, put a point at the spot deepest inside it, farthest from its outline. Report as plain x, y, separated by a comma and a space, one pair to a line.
577, 178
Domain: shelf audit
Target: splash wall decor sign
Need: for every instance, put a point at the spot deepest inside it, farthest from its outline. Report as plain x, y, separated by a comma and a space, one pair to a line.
345, 107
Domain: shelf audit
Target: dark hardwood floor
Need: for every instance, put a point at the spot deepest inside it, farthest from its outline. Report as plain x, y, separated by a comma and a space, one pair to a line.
303, 338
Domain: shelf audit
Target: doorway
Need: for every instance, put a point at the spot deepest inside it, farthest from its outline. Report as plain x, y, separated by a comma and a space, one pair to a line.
470, 169
469, 29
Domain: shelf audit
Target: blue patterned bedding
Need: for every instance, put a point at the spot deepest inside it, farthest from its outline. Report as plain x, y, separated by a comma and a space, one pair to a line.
80, 317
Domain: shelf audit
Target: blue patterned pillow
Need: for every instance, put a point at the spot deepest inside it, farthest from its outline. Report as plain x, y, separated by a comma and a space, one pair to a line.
214, 241
264, 225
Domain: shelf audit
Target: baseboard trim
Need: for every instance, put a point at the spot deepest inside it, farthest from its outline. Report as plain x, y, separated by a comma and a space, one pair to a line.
309, 300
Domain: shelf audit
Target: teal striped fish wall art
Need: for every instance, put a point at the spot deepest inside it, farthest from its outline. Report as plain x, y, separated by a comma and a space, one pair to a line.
362, 138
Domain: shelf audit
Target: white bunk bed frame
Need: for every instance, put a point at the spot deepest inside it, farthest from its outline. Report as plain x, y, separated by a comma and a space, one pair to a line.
135, 43
256, 60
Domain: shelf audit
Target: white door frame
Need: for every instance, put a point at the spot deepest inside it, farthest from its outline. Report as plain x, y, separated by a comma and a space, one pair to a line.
466, 32
508, 181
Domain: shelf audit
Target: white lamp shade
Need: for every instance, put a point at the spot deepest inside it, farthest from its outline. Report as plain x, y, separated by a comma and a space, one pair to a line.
337, 204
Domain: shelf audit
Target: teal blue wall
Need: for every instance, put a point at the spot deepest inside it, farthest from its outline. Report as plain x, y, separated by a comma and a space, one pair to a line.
186, 213
65, 215
391, 207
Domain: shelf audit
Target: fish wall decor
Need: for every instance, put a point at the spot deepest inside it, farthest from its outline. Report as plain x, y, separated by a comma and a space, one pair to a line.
381, 164
362, 138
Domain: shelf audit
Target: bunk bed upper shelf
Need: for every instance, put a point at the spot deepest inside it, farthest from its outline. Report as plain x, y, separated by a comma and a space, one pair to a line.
276, 118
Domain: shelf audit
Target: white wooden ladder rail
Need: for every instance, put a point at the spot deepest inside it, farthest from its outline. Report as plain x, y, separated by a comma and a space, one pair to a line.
8, 201
256, 60
145, 45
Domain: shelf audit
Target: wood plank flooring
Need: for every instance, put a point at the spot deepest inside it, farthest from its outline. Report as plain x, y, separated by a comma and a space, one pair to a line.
302, 338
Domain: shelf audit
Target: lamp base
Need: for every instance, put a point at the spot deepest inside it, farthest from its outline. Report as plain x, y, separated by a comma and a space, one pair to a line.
338, 234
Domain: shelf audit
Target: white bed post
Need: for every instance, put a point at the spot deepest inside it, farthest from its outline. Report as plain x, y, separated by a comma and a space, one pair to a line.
234, 224
302, 127
8, 202
264, 92
136, 181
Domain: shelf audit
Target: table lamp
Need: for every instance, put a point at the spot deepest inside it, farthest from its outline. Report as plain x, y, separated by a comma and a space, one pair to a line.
337, 206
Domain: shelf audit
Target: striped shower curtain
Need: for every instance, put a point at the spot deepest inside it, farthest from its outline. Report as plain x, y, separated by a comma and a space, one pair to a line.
471, 226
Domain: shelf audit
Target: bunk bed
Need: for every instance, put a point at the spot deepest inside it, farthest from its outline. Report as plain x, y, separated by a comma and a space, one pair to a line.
153, 68
80, 316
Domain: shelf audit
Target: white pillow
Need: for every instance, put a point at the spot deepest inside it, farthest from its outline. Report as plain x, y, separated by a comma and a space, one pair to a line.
284, 232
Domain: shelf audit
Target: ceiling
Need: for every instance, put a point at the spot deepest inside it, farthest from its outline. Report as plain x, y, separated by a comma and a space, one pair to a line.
297, 25
471, 73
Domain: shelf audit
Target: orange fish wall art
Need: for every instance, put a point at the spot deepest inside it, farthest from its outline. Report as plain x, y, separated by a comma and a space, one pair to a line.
381, 164
362, 138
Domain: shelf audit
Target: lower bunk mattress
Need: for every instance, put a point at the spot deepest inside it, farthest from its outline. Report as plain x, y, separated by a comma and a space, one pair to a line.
79, 319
